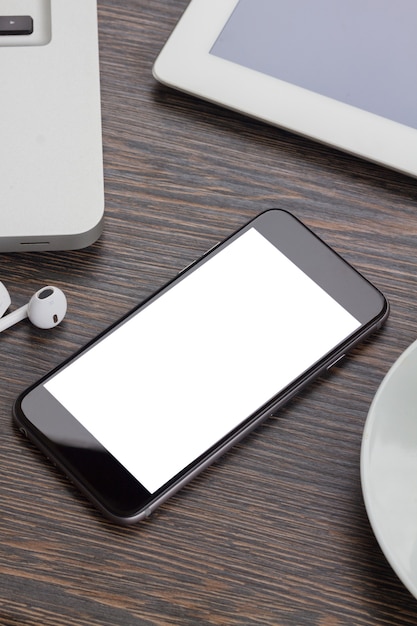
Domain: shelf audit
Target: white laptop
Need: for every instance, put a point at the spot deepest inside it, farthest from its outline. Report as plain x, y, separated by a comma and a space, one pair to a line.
51, 166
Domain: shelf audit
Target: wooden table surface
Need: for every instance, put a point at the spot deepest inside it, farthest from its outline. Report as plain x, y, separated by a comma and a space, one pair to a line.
276, 532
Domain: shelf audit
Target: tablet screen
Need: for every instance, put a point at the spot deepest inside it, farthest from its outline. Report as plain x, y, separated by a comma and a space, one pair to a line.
361, 52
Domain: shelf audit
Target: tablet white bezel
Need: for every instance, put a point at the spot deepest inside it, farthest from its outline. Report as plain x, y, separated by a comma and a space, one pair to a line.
185, 63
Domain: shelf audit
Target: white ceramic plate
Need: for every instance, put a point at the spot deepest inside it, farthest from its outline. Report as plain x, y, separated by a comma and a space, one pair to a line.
389, 467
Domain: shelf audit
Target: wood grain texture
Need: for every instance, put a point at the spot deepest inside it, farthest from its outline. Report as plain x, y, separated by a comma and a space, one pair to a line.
276, 532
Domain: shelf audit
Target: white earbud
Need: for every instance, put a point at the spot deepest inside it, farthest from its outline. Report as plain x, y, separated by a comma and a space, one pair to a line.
46, 309
5, 301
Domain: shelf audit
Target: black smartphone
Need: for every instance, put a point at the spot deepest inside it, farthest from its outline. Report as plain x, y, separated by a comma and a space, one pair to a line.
171, 386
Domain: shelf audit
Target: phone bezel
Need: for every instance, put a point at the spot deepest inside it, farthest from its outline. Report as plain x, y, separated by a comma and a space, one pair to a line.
98, 474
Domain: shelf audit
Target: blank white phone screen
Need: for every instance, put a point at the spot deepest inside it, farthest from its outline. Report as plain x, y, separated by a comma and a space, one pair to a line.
360, 52
191, 366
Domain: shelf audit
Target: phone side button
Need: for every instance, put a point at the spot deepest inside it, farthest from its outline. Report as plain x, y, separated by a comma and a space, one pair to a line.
205, 254
342, 356
186, 267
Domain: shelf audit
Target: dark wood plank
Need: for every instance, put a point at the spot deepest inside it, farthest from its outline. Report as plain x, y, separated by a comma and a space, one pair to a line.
276, 532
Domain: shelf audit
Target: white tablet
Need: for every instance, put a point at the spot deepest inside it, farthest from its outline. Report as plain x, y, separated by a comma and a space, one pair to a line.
343, 73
